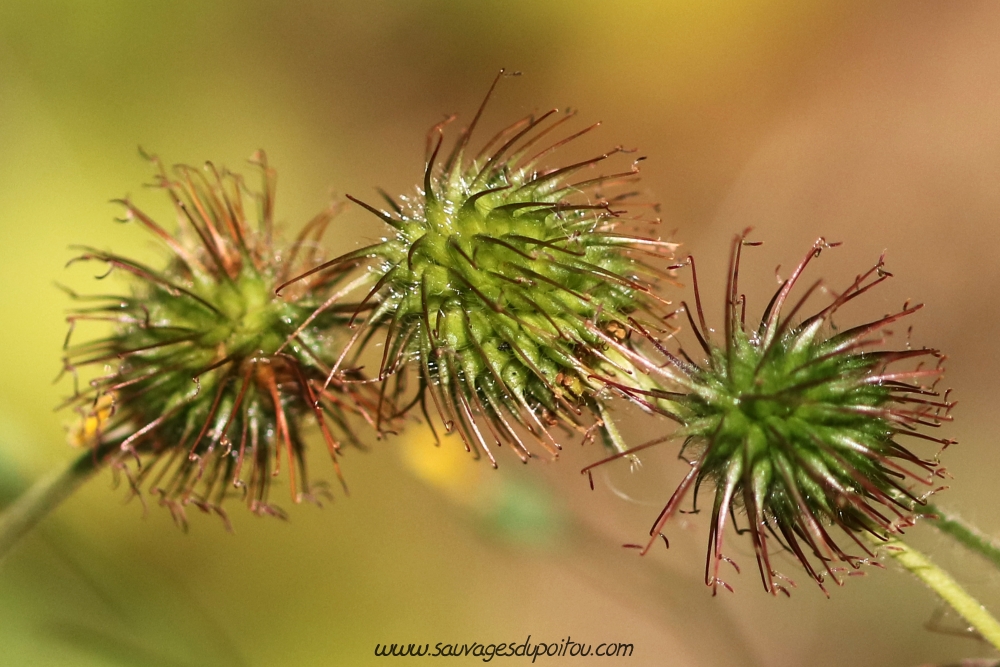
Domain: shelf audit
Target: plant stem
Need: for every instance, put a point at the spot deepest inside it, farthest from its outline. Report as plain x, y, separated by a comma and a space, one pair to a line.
44, 496
946, 587
964, 533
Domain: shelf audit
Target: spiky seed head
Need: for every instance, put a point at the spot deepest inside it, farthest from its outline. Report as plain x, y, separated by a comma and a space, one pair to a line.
207, 378
802, 425
498, 282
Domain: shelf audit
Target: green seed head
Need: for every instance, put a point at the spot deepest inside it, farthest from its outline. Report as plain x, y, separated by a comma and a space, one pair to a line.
498, 281
801, 425
208, 377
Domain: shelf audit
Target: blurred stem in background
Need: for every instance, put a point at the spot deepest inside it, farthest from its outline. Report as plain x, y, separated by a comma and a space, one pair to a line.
105, 611
32, 505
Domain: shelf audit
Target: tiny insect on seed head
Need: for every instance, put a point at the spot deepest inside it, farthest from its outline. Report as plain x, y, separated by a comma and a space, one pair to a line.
207, 379
801, 425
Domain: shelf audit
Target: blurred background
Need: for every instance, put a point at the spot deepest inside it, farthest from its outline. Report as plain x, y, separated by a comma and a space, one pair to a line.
874, 124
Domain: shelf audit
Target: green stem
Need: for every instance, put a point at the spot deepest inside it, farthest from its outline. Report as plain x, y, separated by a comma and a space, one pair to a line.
44, 496
946, 587
964, 533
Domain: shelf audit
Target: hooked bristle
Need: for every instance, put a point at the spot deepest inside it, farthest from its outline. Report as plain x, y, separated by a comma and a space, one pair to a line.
800, 424
493, 283
207, 377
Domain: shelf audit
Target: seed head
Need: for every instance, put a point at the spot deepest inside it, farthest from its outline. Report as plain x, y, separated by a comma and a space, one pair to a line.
499, 280
801, 425
207, 377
